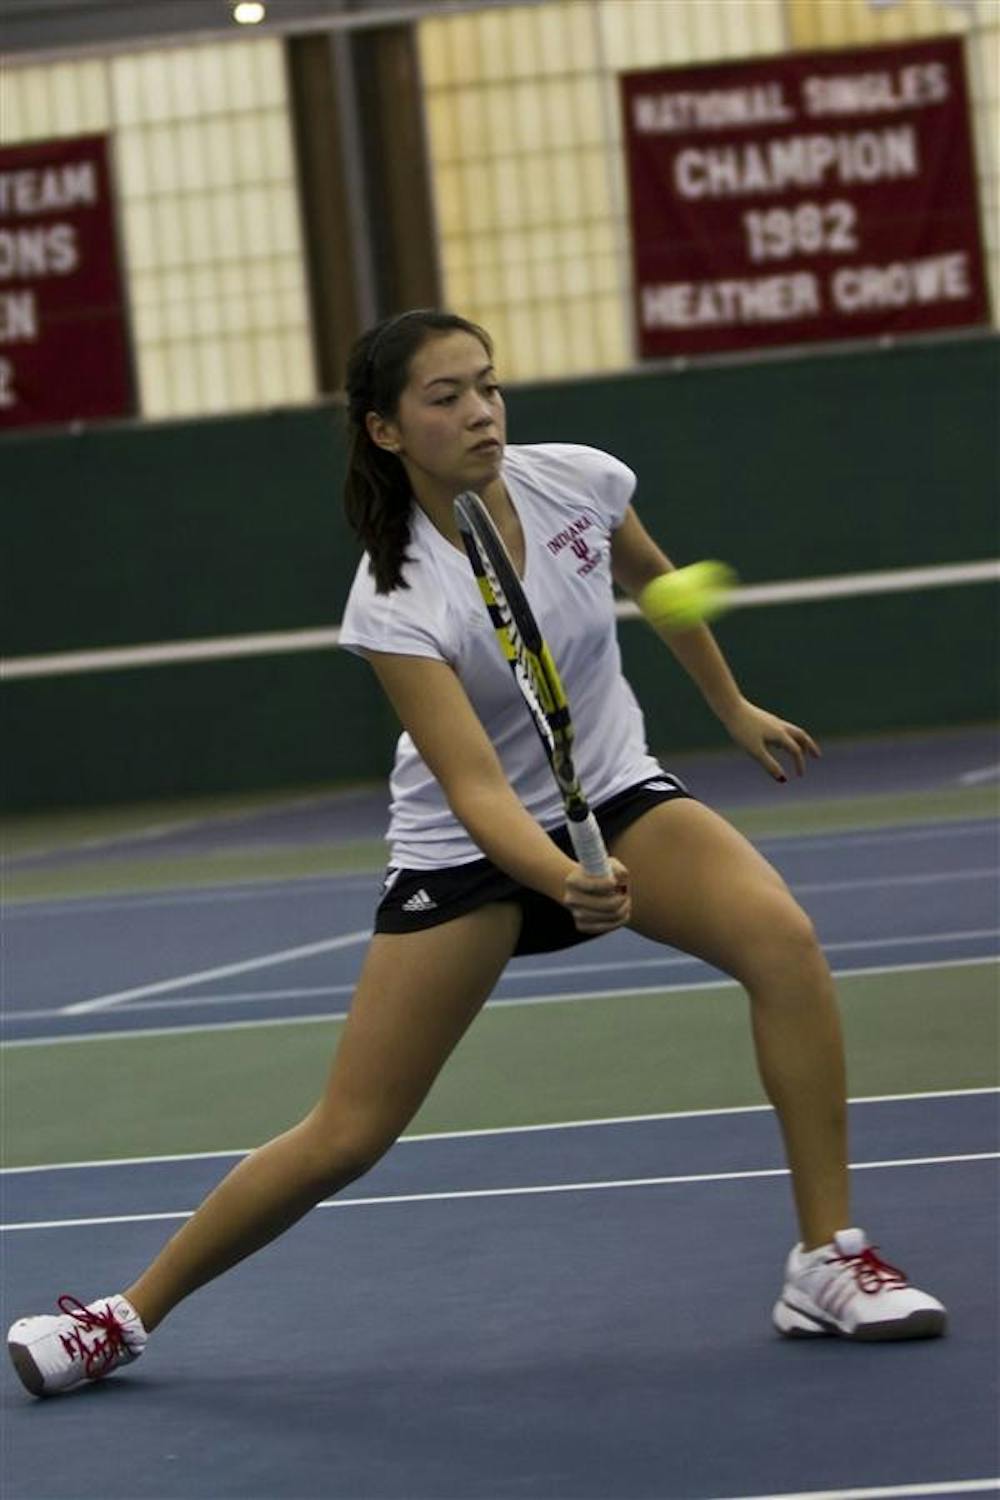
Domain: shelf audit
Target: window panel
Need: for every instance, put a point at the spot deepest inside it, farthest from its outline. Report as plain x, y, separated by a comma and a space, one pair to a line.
240, 75
459, 283
434, 48
139, 236
582, 337
179, 322
520, 353
569, 201
507, 184
124, 73
163, 159
494, 37
529, 117
206, 313
478, 197
181, 81
239, 359
219, 156
170, 230
270, 86
709, 34
151, 368
471, 123
450, 207
465, 50
588, 111
442, 131
550, 32
269, 362
65, 105
299, 365
206, 177
523, 42
580, 35
188, 146
292, 308
538, 191
130, 158
499, 105
559, 113
207, 198
212, 373
38, 106
155, 96
647, 39
183, 374
210, 81
546, 247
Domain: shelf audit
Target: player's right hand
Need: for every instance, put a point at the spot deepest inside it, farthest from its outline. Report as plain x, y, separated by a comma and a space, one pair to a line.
598, 903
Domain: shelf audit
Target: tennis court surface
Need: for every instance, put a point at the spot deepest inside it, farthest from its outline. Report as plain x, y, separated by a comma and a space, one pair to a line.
559, 1284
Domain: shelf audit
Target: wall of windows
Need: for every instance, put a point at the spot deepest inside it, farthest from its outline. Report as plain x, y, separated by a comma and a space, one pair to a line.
208, 212
524, 141
524, 135
524, 131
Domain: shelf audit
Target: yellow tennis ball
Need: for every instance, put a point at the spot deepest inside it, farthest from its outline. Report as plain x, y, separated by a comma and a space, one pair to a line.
688, 596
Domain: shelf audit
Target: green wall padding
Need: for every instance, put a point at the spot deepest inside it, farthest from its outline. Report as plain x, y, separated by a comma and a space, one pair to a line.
788, 468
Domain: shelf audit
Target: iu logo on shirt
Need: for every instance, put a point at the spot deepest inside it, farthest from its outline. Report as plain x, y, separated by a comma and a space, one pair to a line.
572, 536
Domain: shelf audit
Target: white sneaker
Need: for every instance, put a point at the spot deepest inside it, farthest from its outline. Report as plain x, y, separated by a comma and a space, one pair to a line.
846, 1288
54, 1353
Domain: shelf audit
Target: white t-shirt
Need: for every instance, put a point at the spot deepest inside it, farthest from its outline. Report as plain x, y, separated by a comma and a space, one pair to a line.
569, 500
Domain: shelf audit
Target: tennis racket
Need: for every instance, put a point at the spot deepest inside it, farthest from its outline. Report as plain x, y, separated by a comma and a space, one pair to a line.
530, 660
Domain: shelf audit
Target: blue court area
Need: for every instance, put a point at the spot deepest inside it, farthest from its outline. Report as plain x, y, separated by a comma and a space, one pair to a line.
571, 1304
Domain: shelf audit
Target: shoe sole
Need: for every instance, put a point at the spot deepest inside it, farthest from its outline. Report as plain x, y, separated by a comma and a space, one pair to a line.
28, 1372
793, 1323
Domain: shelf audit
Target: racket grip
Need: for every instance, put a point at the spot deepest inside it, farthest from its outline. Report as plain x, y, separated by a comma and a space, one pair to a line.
588, 845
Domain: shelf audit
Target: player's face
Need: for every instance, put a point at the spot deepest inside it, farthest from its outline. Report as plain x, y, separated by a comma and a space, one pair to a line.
450, 425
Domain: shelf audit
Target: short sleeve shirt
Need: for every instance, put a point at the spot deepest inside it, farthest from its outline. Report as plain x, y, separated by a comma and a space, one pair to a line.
569, 500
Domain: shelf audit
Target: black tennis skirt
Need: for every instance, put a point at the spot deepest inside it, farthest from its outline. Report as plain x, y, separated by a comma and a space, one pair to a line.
414, 899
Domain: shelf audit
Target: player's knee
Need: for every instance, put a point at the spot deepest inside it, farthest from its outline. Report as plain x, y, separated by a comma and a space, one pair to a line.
344, 1149
785, 945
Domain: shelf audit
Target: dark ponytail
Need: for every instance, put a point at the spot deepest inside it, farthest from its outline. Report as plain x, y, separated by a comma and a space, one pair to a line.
377, 495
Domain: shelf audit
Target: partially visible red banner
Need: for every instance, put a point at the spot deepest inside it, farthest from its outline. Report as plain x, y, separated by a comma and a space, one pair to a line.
64, 353
816, 196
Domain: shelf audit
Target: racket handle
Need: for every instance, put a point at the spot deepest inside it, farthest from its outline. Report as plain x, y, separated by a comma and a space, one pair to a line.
588, 845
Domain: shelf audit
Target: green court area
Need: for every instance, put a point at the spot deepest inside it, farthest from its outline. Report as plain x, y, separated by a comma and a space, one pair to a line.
915, 1029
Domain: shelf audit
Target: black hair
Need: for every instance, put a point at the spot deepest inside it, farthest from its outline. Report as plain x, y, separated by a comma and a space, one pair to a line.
377, 495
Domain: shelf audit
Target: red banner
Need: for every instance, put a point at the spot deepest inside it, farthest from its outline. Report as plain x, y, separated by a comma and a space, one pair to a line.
64, 353
817, 196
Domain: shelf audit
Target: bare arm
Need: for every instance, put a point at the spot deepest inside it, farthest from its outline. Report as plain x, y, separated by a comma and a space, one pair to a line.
435, 710
635, 561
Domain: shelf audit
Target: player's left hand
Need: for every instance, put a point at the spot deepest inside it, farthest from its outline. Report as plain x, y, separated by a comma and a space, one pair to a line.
759, 733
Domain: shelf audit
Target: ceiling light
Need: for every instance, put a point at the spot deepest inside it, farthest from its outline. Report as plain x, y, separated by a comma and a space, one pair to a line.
249, 12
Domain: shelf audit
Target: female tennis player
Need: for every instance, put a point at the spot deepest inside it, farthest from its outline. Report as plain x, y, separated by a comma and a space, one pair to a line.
480, 867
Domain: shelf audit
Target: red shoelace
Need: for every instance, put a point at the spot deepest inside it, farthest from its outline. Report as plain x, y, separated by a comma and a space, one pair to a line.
871, 1272
100, 1353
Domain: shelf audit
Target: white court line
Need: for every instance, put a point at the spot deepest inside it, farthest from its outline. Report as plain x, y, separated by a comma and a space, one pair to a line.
553, 971
539, 1190
264, 961
985, 773
601, 1122
310, 950
887, 1491
507, 1003
875, 882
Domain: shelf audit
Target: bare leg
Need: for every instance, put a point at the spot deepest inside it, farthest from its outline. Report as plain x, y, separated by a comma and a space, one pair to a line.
416, 996
700, 886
